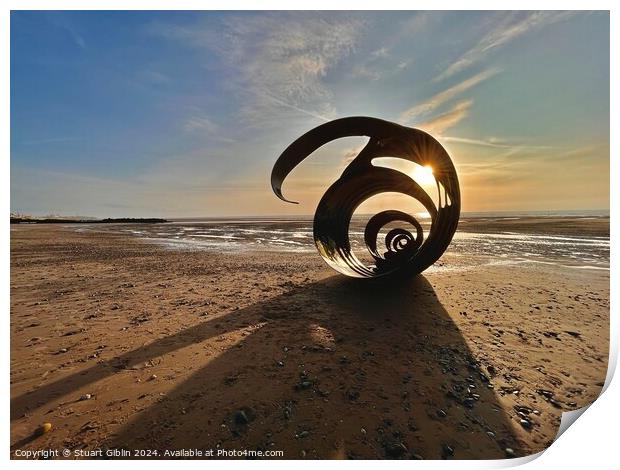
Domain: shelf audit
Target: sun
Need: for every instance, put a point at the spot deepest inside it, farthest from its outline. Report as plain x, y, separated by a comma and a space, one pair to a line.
423, 174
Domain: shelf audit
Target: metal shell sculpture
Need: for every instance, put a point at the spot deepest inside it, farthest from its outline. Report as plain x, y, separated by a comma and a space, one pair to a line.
408, 253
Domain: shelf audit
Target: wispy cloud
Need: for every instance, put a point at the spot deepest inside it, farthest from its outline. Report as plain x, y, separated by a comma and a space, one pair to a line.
277, 65
440, 98
62, 21
495, 143
202, 123
504, 30
199, 122
439, 124
380, 64
284, 63
297, 108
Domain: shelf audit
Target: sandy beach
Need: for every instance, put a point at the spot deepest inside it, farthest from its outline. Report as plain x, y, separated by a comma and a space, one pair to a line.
124, 344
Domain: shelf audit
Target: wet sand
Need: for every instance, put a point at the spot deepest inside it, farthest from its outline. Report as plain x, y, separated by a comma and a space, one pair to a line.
123, 344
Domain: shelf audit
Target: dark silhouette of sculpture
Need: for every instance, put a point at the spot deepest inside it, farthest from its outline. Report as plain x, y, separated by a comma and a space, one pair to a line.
407, 253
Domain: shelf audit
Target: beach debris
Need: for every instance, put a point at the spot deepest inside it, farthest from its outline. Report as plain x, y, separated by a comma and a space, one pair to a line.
395, 449
139, 319
446, 451
85, 397
74, 332
441, 413
304, 381
555, 403
469, 402
288, 410
241, 417
552, 334
549, 396
153, 377
522, 409
304, 385
43, 429
545, 393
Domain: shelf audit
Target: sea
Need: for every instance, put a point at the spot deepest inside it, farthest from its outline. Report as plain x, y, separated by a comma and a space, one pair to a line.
576, 240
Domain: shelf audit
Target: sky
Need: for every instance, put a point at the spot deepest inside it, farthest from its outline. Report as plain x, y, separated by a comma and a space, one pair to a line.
183, 114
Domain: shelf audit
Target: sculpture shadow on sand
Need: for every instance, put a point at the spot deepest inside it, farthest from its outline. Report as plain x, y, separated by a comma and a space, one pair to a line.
333, 371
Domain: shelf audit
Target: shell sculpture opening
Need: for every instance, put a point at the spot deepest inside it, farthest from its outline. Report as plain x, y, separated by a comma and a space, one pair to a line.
408, 253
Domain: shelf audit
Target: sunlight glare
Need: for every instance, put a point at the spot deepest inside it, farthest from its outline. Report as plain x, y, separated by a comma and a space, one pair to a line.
423, 175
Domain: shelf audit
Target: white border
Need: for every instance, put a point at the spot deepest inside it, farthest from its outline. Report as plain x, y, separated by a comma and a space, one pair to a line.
590, 443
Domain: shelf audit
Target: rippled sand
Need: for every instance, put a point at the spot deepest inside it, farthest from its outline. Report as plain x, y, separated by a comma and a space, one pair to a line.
121, 343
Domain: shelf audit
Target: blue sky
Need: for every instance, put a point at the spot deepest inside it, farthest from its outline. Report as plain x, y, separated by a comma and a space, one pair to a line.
183, 113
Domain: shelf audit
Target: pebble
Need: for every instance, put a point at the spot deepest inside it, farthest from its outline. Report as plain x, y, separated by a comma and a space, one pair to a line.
446, 451
153, 377
441, 413
302, 434
288, 411
44, 428
526, 423
555, 403
395, 449
87, 396
509, 452
241, 417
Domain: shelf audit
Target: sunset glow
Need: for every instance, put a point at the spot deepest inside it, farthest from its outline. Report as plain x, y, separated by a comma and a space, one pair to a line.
423, 175
179, 114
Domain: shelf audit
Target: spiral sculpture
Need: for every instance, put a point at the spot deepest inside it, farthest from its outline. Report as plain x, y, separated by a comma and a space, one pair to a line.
408, 253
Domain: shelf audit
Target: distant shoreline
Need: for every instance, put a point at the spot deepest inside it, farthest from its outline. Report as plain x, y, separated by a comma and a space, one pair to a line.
123, 220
